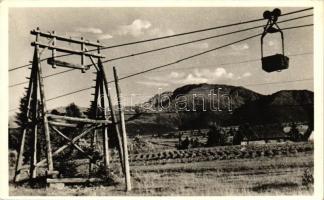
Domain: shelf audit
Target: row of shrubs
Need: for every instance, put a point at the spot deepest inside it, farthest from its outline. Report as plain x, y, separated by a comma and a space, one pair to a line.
221, 153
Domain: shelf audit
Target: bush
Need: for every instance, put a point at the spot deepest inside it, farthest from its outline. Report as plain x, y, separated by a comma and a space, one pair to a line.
12, 158
67, 169
308, 178
294, 133
216, 136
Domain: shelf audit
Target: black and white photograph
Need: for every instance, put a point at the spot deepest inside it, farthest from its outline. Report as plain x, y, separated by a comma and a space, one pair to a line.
162, 99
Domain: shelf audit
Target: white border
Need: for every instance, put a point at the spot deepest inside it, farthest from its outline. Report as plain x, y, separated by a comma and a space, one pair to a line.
318, 75
4, 100
318, 97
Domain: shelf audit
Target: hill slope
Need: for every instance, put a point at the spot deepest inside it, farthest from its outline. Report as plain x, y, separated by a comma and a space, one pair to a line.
196, 105
196, 108
282, 106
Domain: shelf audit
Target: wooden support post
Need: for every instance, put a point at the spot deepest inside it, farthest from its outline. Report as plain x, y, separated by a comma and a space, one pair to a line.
33, 169
20, 156
54, 50
82, 55
95, 115
113, 117
104, 129
123, 128
19, 161
44, 113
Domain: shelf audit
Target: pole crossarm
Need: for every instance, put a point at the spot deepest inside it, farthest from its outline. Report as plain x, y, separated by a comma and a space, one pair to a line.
65, 39
76, 119
66, 50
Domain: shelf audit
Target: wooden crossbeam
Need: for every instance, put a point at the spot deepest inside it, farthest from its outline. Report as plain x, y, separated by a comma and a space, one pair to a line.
77, 119
63, 38
52, 61
65, 50
40, 163
62, 124
74, 180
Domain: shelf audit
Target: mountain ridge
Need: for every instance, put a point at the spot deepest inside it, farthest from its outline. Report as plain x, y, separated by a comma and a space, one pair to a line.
246, 106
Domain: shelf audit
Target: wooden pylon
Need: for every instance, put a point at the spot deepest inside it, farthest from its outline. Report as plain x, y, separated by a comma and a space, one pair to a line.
124, 134
35, 92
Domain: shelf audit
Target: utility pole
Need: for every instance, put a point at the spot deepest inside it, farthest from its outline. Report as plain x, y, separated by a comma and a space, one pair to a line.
124, 135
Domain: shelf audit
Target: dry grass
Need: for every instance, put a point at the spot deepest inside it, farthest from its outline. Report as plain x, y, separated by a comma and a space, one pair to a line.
280, 175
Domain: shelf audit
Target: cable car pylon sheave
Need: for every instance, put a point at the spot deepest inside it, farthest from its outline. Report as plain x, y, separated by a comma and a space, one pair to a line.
275, 62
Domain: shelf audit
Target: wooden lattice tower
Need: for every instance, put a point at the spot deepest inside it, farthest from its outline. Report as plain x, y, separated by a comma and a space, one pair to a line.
35, 93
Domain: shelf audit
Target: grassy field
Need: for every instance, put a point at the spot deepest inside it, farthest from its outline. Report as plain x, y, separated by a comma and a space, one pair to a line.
277, 175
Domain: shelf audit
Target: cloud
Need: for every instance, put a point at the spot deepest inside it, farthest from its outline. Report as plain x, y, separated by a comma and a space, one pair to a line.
105, 37
191, 78
196, 76
171, 77
245, 75
176, 75
140, 27
206, 76
89, 30
213, 74
153, 83
158, 32
136, 28
240, 47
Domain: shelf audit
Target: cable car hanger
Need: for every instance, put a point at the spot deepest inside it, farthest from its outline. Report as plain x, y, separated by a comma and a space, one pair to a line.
275, 62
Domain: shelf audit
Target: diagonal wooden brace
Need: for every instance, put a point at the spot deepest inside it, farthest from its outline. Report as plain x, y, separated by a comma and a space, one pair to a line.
71, 142
67, 145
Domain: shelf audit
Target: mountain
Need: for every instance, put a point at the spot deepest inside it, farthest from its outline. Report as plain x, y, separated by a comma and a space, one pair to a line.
200, 97
197, 105
189, 107
196, 109
282, 106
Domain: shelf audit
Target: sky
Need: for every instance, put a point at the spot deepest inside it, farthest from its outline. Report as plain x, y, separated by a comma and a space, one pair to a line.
121, 25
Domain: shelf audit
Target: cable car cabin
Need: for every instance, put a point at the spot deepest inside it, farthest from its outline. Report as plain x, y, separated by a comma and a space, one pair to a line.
275, 62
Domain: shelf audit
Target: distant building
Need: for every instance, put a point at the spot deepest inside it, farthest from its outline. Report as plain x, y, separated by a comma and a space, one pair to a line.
311, 137
261, 134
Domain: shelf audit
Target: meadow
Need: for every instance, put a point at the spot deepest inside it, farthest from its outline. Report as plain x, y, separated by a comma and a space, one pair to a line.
288, 172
